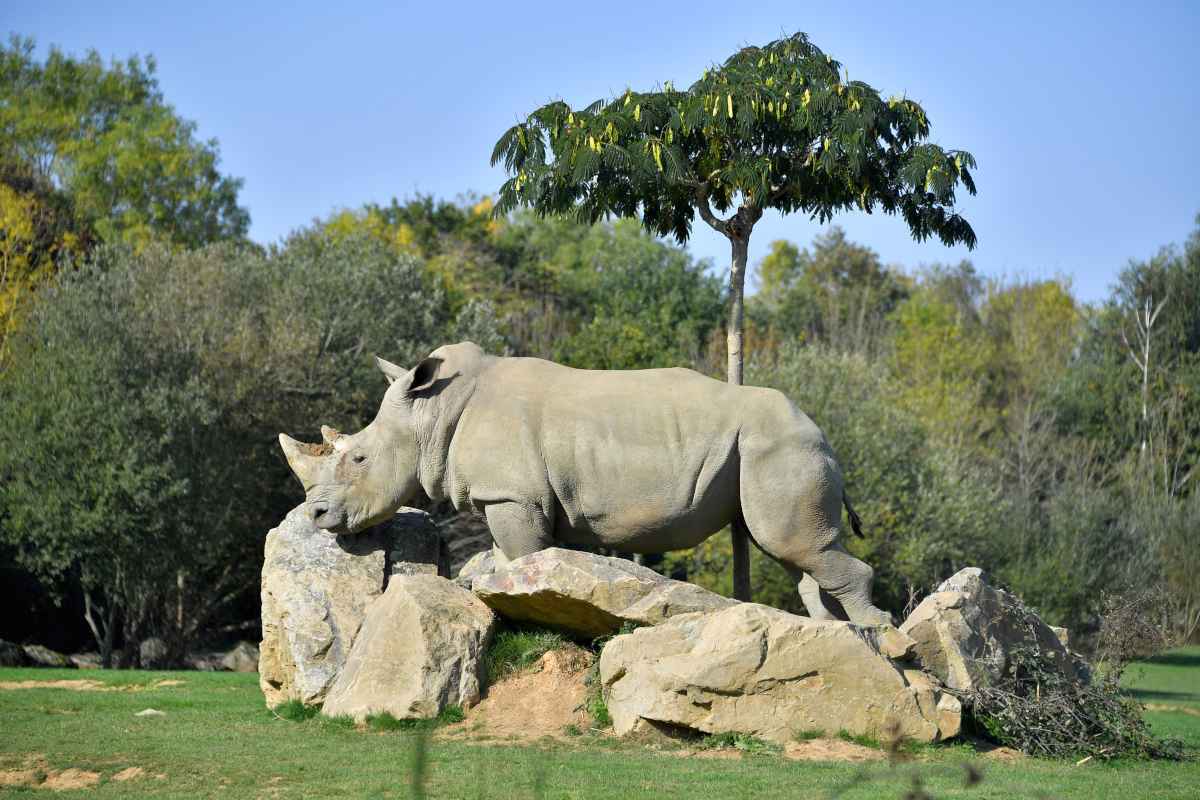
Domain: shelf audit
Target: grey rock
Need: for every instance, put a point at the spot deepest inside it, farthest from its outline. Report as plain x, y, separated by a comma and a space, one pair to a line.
12, 655
756, 670
480, 564
966, 632
88, 660
37, 655
588, 595
420, 649
242, 657
153, 653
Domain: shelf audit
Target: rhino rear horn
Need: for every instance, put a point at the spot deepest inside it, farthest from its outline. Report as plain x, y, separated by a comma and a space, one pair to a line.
329, 435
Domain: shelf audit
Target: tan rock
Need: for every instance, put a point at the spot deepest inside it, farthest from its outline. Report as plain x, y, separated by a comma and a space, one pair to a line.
966, 631
589, 595
757, 670
315, 590
419, 650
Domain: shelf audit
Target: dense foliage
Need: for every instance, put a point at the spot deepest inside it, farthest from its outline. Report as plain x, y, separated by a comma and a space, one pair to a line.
92, 152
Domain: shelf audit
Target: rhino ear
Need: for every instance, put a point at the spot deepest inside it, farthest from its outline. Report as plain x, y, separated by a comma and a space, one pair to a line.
423, 375
393, 372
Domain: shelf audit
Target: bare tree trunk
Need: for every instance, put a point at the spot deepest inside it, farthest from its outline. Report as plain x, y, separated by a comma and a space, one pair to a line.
734, 342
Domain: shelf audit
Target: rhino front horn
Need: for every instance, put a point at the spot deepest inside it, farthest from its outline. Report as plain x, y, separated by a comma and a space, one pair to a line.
301, 458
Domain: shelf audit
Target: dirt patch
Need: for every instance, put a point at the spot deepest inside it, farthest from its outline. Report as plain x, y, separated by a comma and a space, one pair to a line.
538, 702
71, 778
86, 685
36, 774
1002, 754
20, 777
128, 774
831, 750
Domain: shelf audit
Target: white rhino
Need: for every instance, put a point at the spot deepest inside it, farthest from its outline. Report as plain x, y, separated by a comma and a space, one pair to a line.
642, 461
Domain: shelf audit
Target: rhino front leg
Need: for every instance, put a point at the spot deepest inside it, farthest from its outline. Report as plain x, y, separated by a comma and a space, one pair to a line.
517, 529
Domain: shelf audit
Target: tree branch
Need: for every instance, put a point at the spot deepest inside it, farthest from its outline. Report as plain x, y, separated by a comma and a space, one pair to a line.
721, 226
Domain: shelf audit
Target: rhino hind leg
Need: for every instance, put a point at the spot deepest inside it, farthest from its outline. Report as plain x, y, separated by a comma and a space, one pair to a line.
820, 603
843, 580
800, 528
517, 530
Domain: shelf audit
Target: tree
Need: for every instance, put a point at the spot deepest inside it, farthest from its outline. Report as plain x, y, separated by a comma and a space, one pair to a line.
104, 135
838, 293
143, 397
774, 127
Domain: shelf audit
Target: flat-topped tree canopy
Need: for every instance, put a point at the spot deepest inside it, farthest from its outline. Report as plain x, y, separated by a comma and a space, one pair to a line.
780, 126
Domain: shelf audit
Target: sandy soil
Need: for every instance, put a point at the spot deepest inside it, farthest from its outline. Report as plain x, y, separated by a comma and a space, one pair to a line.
538, 702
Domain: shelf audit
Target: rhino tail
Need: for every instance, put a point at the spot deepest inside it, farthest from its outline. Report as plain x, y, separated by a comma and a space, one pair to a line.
855, 522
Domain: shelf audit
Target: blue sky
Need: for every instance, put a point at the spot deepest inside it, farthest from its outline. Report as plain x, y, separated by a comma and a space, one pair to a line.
1084, 122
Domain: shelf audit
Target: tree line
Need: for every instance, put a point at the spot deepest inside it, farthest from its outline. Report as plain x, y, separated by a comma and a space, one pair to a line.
151, 354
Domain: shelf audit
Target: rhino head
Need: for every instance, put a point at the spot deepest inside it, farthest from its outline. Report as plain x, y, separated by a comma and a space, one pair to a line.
354, 481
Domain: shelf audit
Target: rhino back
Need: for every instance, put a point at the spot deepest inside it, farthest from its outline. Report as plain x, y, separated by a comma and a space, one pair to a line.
645, 459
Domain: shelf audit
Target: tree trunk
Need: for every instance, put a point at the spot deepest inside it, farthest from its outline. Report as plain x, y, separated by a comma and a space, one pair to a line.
740, 239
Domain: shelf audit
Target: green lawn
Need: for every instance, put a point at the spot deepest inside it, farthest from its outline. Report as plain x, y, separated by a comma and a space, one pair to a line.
217, 739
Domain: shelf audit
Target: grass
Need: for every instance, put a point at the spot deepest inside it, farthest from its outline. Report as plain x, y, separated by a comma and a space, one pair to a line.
513, 649
217, 740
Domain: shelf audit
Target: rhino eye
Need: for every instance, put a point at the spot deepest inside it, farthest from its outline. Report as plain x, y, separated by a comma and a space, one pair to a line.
358, 459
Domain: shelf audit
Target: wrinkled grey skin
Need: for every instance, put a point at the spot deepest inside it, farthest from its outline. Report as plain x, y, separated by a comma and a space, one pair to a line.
641, 461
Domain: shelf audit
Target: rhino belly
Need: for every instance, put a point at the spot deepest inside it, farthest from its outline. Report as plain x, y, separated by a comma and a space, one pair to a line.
649, 519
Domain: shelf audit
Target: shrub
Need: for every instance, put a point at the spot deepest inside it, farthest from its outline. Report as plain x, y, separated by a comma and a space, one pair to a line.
1035, 708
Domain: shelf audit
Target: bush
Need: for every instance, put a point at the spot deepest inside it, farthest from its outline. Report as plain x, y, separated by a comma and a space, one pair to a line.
1041, 712
142, 400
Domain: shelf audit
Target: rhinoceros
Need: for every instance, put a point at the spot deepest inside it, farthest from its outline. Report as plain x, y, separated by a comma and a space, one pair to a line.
641, 461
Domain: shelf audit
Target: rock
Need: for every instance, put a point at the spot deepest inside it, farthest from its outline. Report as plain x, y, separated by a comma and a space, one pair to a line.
150, 712
12, 655
206, 662
153, 652
88, 660
37, 655
589, 595
416, 547
243, 657
315, 590
420, 649
466, 534
478, 565
753, 669
966, 631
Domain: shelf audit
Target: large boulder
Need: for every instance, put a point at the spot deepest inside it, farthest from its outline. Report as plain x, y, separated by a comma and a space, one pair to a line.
242, 657
967, 631
315, 591
420, 649
12, 655
753, 669
588, 595
37, 655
